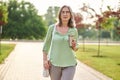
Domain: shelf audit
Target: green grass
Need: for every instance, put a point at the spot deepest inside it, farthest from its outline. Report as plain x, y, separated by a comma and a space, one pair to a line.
5, 51
108, 62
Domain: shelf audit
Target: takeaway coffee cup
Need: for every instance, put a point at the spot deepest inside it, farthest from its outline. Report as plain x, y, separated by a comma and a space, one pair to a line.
71, 39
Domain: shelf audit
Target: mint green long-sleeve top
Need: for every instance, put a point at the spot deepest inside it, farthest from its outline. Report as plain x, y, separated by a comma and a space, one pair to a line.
56, 46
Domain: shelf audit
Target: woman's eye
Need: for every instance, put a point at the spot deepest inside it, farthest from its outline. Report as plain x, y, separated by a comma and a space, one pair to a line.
65, 11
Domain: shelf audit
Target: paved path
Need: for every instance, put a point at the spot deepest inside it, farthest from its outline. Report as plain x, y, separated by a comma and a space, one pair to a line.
25, 63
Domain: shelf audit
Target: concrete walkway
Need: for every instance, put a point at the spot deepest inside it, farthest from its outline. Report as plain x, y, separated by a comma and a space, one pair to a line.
25, 63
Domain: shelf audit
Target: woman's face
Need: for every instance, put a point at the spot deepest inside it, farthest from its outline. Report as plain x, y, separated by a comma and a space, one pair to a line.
65, 14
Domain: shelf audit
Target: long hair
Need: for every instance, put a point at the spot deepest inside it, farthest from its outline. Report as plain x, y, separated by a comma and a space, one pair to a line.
71, 20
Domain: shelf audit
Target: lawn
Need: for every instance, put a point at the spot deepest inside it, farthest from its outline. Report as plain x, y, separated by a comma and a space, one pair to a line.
108, 62
5, 51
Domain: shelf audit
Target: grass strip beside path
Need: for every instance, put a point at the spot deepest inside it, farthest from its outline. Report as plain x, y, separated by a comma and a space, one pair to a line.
5, 51
108, 62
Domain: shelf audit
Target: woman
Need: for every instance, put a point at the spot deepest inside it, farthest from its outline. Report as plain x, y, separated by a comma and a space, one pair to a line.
58, 55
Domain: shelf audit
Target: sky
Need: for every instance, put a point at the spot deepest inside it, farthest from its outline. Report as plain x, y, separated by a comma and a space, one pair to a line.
42, 5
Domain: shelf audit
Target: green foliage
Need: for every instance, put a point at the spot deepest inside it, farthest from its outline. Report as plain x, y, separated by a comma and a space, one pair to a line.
86, 33
51, 15
116, 32
108, 24
105, 34
3, 14
23, 22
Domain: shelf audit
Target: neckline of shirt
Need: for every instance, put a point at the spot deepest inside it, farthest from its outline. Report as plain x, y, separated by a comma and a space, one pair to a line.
61, 33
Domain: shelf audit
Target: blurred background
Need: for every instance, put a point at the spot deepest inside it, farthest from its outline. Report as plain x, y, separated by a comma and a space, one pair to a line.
96, 20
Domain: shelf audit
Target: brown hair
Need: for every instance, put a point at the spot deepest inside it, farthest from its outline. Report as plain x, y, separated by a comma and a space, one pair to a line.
71, 20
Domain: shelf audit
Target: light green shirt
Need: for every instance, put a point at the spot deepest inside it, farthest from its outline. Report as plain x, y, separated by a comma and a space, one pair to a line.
56, 45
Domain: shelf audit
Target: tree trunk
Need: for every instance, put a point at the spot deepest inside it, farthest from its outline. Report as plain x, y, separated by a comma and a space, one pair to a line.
0, 39
99, 30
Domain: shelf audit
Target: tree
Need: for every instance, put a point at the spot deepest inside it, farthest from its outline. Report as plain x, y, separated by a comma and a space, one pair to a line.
78, 20
3, 18
51, 15
23, 22
3, 13
104, 21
